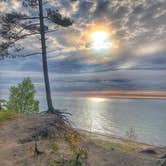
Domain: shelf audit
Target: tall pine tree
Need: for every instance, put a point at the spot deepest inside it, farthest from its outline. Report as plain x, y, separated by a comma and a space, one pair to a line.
16, 26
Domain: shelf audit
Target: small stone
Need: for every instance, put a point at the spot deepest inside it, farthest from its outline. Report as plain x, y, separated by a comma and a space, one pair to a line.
149, 151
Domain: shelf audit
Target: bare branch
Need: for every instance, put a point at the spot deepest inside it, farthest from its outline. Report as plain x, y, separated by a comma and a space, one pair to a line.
28, 18
28, 34
26, 55
30, 3
19, 56
50, 31
27, 27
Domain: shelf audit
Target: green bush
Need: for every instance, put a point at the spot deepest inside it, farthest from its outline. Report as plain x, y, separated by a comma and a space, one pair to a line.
55, 147
22, 98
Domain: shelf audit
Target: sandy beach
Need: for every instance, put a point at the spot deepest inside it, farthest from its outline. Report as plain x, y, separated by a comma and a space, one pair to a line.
17, 144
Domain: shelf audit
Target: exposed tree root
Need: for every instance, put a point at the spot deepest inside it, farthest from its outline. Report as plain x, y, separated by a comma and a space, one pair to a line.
61, 115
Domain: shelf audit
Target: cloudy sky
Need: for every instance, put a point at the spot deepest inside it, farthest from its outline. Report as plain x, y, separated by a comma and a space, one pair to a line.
134, 61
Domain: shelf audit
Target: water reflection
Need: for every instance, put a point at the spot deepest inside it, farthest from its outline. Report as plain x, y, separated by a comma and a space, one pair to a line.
116, 116
95, 116
96, 100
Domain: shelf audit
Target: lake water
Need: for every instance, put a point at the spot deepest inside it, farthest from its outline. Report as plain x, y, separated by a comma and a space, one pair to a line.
116, 116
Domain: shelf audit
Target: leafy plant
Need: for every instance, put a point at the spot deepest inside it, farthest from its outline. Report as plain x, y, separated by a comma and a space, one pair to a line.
80, 153
66, 162
58, 161
22, 98
73, 139
55, 146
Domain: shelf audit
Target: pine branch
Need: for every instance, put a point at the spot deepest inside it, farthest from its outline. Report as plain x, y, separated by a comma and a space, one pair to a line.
26, 27
57, 18
26, 55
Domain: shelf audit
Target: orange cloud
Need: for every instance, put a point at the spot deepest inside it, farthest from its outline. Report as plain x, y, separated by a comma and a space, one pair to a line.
126, 94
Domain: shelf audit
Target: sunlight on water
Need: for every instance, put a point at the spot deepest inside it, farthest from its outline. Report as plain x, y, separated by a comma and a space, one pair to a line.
116, 116
96, 100
94, 114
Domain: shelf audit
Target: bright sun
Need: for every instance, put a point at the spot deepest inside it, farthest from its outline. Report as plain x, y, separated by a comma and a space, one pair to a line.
100, 40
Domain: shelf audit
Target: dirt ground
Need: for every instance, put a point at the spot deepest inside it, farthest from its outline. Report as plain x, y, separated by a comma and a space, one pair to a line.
17, 146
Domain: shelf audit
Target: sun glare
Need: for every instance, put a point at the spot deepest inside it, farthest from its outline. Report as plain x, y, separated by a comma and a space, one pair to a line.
100, 40
96, 99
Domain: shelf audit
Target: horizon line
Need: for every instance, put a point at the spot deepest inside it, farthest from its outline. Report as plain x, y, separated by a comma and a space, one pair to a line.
119, 94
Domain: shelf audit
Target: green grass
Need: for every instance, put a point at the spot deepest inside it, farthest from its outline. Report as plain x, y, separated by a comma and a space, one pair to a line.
7, 115
126, 147
55, 147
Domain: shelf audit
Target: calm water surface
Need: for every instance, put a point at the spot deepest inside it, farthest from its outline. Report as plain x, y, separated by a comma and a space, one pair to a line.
116, 116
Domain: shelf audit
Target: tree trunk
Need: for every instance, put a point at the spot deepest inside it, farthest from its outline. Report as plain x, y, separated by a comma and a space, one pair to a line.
44, 59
